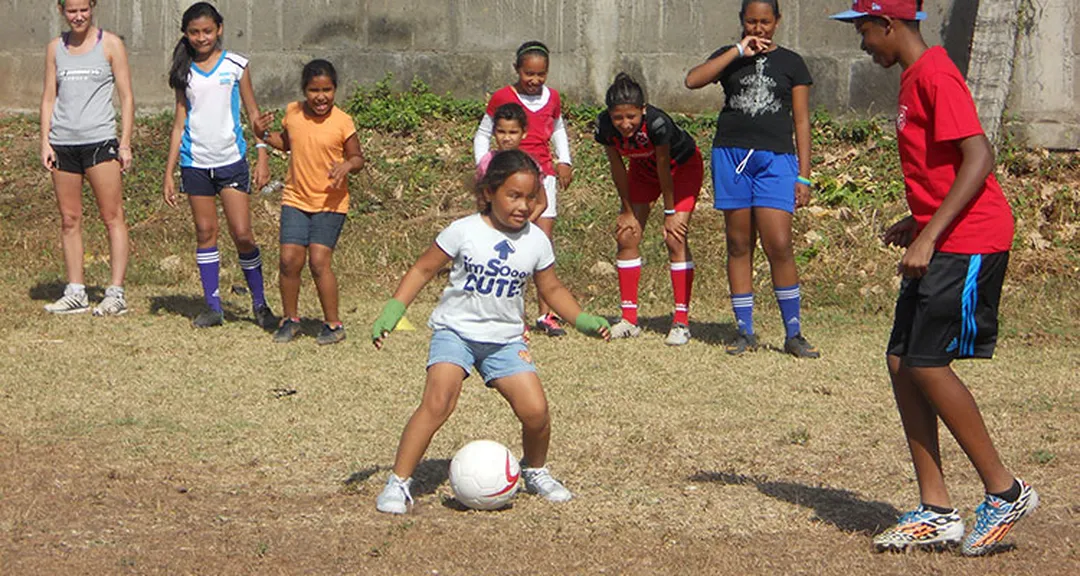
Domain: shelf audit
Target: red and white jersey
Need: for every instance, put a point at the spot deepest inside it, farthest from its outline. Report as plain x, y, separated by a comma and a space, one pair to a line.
544, 113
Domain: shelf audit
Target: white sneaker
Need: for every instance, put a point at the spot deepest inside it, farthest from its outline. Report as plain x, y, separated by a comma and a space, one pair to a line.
72, 302
678, 335
624, 329
113, 304
395, 497
539, 481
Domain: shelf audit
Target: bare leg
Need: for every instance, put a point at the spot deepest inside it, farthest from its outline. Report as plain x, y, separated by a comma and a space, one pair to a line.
526, 397
921, 429
548, 226
68, 188
105, 179
775, 229
440, 398
740, 233
238, 215
325, 281
290, 263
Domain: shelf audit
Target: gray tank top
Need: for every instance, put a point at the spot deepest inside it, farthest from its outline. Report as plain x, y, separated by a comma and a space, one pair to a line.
83, 113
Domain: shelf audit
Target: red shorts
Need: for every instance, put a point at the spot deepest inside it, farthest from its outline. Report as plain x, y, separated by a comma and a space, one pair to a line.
645, 186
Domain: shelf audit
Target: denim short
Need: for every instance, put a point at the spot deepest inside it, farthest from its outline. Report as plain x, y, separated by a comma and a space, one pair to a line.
492, 361
211, 181
754, 179
306, 228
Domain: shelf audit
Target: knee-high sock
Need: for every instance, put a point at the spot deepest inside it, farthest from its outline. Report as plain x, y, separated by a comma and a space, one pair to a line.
790, 302
682, 284
251, 264
209, 261
743, 304
629, 277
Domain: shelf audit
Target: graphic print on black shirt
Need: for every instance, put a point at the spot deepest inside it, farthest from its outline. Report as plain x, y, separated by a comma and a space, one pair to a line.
657, 129
757, 108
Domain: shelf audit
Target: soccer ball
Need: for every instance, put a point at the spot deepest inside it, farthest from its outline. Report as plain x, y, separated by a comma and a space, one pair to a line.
484, 475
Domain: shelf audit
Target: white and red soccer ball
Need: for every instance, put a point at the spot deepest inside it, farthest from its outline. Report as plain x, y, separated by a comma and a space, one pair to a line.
484, 475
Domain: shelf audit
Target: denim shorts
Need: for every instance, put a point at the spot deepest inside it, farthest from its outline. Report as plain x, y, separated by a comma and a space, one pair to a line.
306, 228
492, 361
754, 179
211, 181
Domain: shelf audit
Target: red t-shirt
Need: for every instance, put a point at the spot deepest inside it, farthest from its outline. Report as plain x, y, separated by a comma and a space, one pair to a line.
936, 110
544, 111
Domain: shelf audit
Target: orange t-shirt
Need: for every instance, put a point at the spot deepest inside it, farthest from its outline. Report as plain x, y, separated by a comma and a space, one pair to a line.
316, 145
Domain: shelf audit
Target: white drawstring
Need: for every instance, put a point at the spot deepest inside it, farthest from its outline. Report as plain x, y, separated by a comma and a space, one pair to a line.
742, 165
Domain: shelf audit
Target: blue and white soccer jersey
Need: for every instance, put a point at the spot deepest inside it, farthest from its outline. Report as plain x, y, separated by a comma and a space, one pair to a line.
213, 136
485, 299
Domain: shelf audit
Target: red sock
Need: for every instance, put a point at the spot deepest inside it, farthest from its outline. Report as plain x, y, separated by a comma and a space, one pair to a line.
629, 276
682, 284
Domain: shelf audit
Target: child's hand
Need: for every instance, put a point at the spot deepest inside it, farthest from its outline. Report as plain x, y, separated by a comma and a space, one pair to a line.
677, 226
48, 157
338, 173
627, 223
901, 233
916, 258
261, 176
388, 319
169, 192
593, 325
565, 174
261, 125
802, 195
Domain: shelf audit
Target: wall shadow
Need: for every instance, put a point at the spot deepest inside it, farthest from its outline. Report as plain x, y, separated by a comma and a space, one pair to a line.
958, 31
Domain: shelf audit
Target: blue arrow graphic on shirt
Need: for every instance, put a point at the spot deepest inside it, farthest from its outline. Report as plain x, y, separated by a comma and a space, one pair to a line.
504, 249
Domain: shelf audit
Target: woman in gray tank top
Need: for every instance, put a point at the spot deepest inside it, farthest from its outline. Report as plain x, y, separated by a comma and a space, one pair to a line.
78, 139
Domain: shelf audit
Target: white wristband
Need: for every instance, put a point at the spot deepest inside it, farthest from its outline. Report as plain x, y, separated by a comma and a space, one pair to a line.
742, 51
669, 212
261, 145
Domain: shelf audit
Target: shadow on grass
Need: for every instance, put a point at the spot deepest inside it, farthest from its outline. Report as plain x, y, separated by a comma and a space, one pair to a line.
712, 333
427, 477
841, 508
191, 306
52, 291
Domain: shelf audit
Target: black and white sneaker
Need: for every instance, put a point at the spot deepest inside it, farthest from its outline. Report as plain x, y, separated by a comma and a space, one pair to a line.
72, 302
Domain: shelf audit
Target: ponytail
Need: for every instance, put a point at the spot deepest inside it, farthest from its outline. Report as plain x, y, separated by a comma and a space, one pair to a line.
624, 90
184, 53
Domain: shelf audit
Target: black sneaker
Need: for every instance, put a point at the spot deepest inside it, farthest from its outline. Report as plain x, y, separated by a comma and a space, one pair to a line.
208, 319
288, 330
549, 325
331, 335
742, 344
264, 317
798, 347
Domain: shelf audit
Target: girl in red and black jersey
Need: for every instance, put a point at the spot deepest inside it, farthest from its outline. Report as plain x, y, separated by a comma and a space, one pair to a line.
664, 163
543, 108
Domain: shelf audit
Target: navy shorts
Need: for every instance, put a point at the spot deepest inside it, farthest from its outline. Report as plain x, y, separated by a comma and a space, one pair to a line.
306, 228
211, 181
492, 361
951, 312
78, 159
745, 178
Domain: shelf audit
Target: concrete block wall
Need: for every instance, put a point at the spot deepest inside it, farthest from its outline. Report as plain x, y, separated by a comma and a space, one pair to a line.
466, 47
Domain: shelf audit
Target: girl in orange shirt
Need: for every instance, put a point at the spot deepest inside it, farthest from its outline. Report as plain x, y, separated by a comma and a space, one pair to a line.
324, 151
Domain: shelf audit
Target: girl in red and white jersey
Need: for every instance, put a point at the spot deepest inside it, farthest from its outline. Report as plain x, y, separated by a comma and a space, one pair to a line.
543, 107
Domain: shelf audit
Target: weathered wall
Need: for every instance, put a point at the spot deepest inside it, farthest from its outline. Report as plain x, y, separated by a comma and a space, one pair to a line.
466, 46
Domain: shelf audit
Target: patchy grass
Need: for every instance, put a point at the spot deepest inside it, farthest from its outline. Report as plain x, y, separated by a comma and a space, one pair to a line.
136, 445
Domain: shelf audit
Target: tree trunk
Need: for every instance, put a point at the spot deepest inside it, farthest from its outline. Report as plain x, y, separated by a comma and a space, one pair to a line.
993, 51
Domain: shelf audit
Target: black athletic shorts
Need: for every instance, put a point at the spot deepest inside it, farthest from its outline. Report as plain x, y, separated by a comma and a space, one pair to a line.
77, 159
211, 181
951, 312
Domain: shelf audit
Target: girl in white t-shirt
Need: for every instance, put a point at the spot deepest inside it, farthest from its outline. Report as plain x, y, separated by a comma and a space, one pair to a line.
478, 323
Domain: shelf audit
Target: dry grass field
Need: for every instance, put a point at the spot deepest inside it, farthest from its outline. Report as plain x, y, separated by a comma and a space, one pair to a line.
137, 445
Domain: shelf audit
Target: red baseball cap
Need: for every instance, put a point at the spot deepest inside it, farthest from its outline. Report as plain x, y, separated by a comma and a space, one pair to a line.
899, 9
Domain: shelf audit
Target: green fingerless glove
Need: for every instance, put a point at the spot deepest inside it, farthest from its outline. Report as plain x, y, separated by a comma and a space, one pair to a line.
391, 315
589, 324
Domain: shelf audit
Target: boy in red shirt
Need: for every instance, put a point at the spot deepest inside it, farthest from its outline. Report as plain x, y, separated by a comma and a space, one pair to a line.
957, 238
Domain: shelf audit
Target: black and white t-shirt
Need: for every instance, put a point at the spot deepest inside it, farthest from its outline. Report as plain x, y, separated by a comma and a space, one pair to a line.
757, 107
657, 129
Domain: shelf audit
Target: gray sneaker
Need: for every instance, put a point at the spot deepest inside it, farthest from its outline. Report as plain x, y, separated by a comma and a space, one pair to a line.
330, 335
288, 330
208, 319
678, 335
395, 497
72, 302
113, 304
624, 329
539, 481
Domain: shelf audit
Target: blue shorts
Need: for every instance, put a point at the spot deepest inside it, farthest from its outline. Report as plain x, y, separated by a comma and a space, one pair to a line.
211, 181
754, 179
492, 361
305, 228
